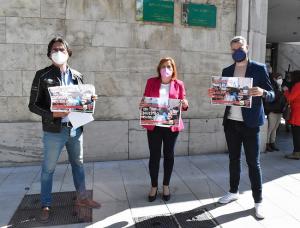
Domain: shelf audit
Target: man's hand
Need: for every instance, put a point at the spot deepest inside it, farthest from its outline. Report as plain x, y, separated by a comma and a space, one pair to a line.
94, 97
60, 114
256, 92
285, 88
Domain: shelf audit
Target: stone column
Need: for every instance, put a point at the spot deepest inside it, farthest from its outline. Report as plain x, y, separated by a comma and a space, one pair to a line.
252, 24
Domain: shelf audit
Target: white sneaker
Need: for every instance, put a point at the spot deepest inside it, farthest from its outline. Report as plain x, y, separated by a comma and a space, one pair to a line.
259, 212
229, 197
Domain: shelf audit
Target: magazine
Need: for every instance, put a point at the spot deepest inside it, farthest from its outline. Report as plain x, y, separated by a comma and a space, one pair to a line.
73, 98
160, 112
232, 91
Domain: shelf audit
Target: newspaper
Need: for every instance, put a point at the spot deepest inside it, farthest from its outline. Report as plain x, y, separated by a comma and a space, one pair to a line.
232, 91
160, 112
73, 98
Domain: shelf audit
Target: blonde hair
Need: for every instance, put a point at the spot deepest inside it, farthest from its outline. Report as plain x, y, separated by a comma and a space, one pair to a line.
166, 59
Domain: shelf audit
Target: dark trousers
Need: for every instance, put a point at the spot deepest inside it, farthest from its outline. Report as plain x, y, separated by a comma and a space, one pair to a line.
237, 133
155, 139
296, 137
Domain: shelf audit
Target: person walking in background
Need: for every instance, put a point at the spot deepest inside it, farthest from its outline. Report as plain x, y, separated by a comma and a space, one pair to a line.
57, 130
274, 111
165, 85
292, 95
241, 125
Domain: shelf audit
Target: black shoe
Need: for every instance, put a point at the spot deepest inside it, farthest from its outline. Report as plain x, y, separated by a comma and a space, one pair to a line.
274, 147
152, 198
166, 197
268, 148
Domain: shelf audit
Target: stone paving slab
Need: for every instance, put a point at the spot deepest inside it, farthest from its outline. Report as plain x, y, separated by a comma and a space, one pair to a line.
197, 182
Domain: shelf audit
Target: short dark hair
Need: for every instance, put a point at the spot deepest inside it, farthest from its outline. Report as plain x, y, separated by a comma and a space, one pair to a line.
238, 39
61, 40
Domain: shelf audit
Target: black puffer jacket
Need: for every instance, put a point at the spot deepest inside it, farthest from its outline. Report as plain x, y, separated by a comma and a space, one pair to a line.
40, 99
277, 106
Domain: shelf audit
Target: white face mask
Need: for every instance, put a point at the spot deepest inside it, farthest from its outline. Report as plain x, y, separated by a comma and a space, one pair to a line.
279, 81
59, 57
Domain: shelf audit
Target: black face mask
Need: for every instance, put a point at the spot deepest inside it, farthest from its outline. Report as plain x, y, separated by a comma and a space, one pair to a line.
239, 55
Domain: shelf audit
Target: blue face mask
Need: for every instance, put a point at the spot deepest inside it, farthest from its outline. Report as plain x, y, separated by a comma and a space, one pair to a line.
239, 55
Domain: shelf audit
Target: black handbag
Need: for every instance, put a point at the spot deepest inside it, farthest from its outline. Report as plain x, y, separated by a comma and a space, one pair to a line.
287, 112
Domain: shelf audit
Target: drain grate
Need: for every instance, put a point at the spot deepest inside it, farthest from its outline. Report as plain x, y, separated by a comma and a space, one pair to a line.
196, 218
160, 221
63, 211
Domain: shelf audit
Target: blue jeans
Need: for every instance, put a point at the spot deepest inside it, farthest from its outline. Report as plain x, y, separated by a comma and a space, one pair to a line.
53, 145
237, 133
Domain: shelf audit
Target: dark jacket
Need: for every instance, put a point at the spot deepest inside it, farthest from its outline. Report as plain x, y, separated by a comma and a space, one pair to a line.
254, 116
40, 99
278, 105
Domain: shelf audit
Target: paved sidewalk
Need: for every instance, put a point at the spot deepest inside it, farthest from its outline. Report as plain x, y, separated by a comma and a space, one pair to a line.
197, 182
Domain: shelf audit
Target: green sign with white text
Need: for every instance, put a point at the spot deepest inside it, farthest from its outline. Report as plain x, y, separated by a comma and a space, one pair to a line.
158, 11
199, 15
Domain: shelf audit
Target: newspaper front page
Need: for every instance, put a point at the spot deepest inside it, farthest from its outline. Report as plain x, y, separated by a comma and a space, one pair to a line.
160, 112
73, 98
232, 91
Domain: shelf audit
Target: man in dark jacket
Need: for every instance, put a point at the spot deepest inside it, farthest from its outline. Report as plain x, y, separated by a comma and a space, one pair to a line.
274, 111
57, 129
241, 125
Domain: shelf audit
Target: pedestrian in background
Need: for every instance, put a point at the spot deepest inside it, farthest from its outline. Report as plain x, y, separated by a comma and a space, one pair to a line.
292, 95
274, 111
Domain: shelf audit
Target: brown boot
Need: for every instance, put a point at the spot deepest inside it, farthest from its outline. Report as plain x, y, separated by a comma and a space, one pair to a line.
87, 203
268, 148
294, 155
44, 215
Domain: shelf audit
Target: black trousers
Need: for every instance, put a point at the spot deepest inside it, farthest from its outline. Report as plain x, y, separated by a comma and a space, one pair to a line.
157, 137
296, 137
238, 134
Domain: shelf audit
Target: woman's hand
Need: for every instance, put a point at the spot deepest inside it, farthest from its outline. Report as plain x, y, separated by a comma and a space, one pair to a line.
185, 103
142, 104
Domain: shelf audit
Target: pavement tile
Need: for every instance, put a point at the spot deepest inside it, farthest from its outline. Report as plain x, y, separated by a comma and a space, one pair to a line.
197, 182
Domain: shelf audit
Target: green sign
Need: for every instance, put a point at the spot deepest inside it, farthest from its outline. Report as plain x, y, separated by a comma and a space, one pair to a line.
158, 11
199, 15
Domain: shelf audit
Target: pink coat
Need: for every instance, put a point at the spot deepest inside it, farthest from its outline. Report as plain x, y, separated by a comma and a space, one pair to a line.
177, 91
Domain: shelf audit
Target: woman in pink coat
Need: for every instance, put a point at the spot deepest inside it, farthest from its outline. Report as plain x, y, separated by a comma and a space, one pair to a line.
165, 85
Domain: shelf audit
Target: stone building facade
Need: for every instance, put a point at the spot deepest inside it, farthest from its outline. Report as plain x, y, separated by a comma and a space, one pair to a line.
117, 54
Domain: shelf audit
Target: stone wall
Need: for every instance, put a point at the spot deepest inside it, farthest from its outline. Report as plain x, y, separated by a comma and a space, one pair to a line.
288, 53
117, 54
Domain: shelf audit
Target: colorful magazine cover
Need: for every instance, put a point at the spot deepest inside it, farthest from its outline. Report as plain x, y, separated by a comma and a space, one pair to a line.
160, 112
74, 98
232, 91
